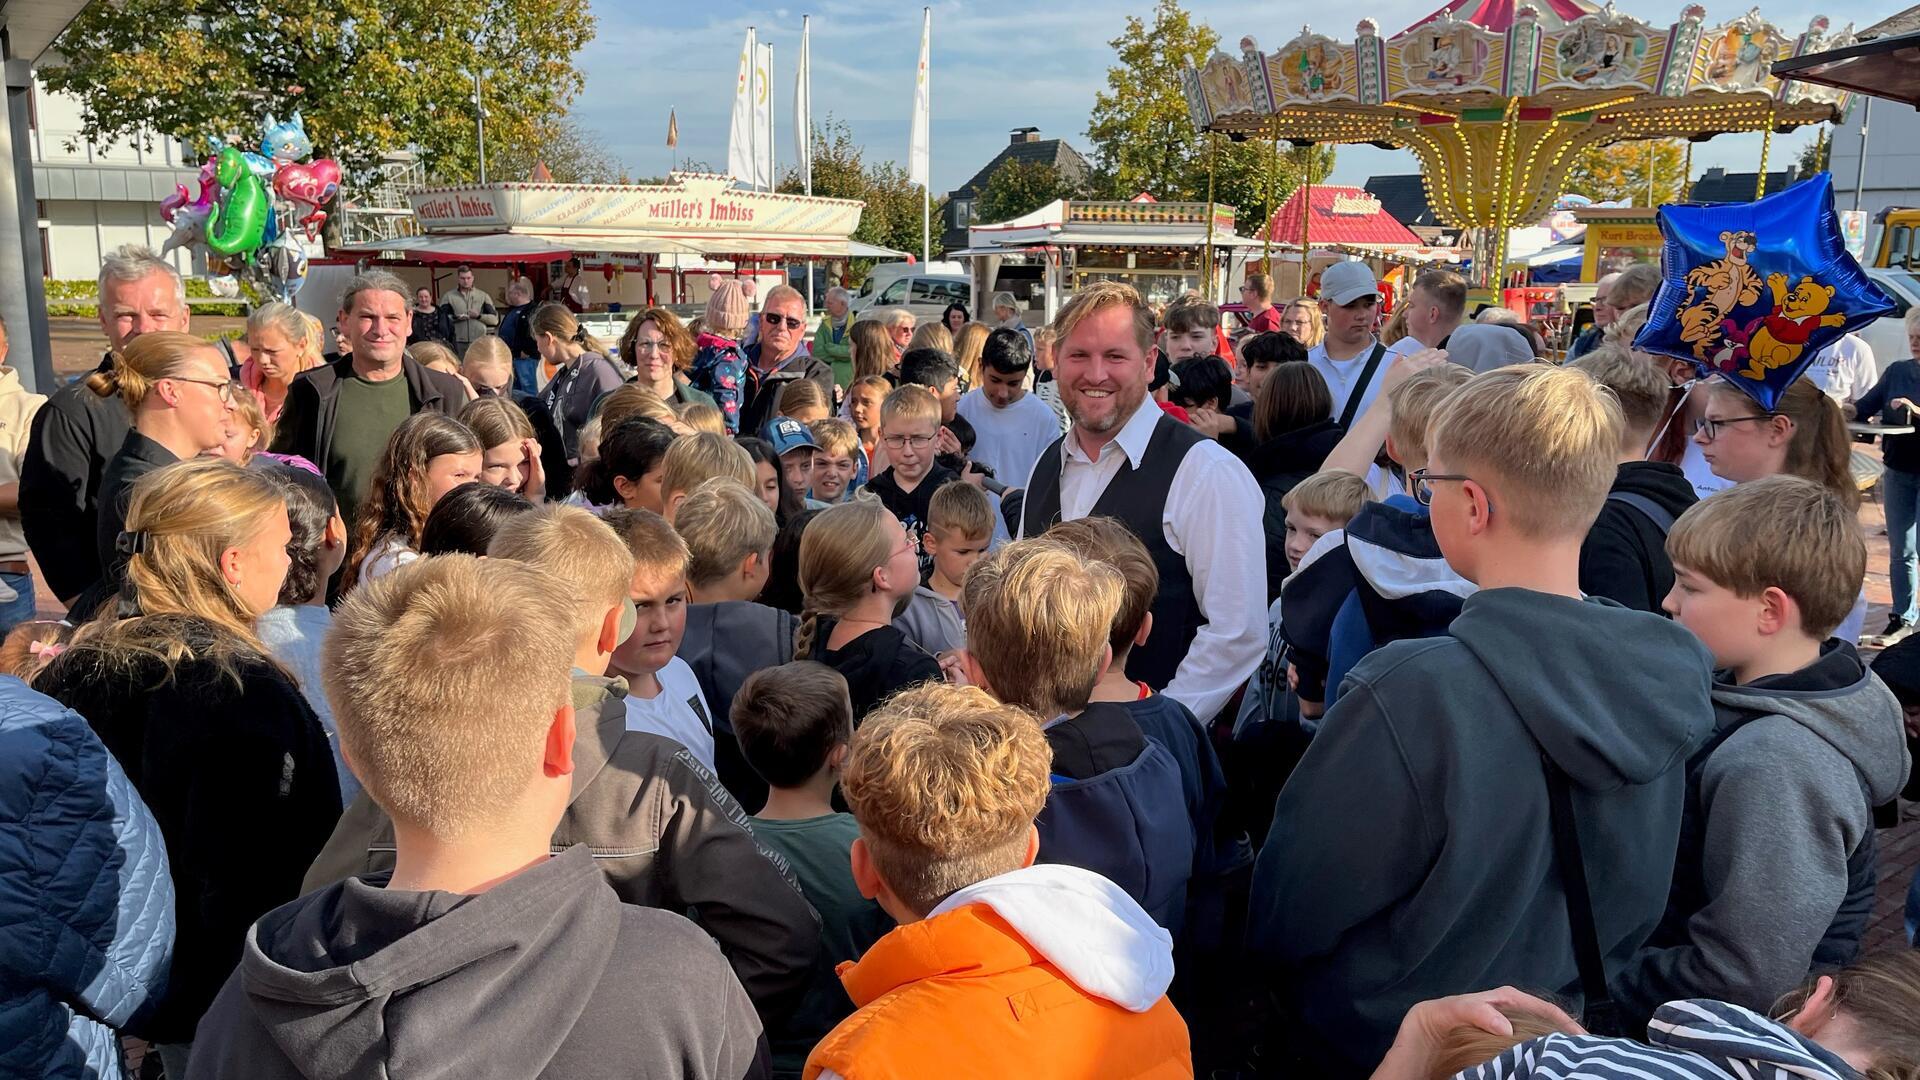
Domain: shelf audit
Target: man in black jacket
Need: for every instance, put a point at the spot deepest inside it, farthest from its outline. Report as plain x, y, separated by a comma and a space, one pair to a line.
1625, 556
78, 431
779, 358
376, 383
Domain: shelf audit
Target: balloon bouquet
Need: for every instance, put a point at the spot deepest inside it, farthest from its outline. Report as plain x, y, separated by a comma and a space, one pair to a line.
1752, 292
248, 205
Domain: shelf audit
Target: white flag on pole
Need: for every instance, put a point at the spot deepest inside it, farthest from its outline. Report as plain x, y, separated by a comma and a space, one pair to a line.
763, 116
919, 152
803, 110
740, 134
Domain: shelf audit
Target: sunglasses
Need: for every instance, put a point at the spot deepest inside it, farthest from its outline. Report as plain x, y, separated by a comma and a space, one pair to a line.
788, 321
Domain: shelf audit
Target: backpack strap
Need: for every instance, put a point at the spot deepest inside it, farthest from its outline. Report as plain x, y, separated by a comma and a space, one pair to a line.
1652, 511
1602, 1013
1360, 386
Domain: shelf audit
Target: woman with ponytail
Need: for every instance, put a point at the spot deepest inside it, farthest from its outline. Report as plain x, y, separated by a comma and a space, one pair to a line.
215, 735
1805, 435
176, 388
582, 374
856, 566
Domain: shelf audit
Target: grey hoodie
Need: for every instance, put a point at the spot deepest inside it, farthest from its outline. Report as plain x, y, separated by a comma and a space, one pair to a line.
1411, 855
1777, 813
547, 974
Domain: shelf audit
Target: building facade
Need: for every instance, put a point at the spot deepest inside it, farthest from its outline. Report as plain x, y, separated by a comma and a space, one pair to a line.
1892, 175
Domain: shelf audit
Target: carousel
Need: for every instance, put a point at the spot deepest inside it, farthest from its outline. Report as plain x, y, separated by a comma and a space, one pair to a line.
1498, 100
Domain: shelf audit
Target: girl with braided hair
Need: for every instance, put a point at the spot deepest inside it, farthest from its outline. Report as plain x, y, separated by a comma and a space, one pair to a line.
857, 566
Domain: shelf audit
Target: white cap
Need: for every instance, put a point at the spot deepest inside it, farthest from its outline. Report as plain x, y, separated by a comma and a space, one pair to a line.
1344, 282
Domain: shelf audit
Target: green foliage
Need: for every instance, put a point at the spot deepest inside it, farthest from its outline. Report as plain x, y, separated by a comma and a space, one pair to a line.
841, 171
1021, 187
79, 298
1144, 140
572, 154
1618, 173
368, 76
1816, 156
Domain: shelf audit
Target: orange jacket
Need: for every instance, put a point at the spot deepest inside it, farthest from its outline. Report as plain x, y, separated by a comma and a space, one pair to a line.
963, 994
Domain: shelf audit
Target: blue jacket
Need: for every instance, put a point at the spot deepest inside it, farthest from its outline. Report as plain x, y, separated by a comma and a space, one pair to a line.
86, 902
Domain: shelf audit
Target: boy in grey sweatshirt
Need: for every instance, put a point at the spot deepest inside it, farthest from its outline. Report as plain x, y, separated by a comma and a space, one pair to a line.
1775, 872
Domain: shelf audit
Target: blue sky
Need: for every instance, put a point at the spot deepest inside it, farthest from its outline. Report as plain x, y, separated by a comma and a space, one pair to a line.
996, 66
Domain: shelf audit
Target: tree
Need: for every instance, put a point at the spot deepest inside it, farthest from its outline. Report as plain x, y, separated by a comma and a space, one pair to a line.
367, 76
1816, 156
1144, 140
840, 171
1618, 173
572, 154
1021, 187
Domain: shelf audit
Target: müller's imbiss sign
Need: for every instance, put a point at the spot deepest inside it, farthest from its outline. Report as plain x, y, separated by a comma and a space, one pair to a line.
690, 204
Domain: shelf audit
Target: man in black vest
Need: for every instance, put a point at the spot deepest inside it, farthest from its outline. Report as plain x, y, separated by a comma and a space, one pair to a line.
1193, 504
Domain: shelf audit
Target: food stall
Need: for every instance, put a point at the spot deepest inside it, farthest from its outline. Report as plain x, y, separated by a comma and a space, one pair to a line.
1616, 238
639, 244
1161, 248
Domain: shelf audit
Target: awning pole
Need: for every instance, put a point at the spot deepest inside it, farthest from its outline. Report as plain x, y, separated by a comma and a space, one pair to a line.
1206, 262
1266, 235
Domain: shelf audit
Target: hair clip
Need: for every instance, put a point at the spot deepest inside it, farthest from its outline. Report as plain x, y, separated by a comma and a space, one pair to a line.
131, 543
48, 649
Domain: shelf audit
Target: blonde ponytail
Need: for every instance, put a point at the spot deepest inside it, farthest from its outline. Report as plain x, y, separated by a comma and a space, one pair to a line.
147, 359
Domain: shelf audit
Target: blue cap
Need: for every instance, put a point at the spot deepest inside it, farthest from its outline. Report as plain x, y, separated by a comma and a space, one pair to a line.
786, 433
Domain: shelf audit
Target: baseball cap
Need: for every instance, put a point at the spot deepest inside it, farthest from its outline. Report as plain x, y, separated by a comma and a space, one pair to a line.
1344, 282
786, 433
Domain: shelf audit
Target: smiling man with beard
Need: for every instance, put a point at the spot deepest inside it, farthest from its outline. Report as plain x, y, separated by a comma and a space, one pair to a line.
1191, 502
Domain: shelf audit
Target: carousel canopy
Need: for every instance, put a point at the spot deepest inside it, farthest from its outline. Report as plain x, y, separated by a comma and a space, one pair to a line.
1498, 108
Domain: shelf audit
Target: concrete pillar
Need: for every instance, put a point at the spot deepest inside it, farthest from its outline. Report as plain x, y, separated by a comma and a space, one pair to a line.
23, 298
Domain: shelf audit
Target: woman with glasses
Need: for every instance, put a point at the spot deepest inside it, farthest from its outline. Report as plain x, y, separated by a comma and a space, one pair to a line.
1301, 319
177, 388
1805, 435
660, 351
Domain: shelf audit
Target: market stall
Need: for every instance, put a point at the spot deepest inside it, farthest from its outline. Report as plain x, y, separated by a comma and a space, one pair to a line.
1162, 248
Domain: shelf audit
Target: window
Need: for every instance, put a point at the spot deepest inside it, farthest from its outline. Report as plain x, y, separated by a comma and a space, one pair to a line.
895, 293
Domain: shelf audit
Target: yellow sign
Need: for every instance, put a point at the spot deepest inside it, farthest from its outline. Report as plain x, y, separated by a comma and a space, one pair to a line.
1602, 236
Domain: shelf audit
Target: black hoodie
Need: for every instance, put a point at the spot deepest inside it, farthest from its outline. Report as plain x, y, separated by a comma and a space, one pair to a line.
878, 664
1625, 556
547, 974
1279, 464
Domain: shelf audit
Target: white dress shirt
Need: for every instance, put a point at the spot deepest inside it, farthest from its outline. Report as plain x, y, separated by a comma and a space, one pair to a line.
1214, 518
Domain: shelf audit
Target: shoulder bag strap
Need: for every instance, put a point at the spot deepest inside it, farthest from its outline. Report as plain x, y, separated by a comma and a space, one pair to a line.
1651, 510
1360, 385
1602, 1015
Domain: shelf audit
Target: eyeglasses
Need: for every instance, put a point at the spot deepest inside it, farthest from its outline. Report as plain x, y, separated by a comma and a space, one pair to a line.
642, 345
918, 442
1711, 428
1422, 481
788, 321
221, 386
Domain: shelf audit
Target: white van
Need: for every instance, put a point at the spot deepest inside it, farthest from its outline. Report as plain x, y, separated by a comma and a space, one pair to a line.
925, 295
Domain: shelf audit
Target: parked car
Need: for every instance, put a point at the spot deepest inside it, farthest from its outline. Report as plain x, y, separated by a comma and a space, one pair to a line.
1887, 336
927, 296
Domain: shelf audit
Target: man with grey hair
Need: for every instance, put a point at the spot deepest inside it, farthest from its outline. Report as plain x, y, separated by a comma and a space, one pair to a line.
1006, 314
832, 341
340, 415
779, 358
78, 431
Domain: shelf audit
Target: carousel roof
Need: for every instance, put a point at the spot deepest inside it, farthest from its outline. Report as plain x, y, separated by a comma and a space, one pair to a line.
1339, 215
1500, 15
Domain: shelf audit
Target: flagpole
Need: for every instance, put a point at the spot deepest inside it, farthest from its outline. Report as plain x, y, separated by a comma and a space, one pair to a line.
773, 149
805, 116
926, 189
673, 115
753, 129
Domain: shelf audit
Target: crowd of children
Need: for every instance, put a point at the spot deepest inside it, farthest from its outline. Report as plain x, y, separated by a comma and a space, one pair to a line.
714, 725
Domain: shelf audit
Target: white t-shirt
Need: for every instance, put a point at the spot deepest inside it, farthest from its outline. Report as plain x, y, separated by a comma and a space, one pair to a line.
1844, 369
1700, 474
1342, 375
390, 554
679, 712
1009, 440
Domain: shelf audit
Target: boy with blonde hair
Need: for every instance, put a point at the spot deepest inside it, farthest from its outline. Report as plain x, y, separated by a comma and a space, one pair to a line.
795, 722
909, 432
729, 535
1039, 621
475, 762
959, 531
1775, 874
663, 696
1383, 579
1625, 556
840, 469
633, 792
1536, 710
945, 784
694, 459
1322, 503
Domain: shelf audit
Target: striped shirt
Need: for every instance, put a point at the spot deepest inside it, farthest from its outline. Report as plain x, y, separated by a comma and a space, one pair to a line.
1690, 1040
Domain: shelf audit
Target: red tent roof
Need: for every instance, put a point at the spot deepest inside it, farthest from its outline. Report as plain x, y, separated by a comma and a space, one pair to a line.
1499, 15
1341, 215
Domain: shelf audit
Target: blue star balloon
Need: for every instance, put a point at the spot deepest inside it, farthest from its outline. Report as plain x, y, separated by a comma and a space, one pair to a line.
1754, 291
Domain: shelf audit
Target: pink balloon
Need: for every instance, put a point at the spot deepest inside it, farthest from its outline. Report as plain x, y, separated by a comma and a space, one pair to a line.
312, 185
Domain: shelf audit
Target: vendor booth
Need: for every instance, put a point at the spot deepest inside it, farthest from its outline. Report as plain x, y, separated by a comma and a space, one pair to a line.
1161, 248
638, 244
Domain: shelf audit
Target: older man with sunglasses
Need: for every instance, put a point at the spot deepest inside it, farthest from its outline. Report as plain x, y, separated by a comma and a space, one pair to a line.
780, 357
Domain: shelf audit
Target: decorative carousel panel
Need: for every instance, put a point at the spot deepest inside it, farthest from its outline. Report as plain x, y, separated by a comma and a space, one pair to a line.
1227, 88
1313, 68
1196, 99
1739, 56
1445, 57
1605, 51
